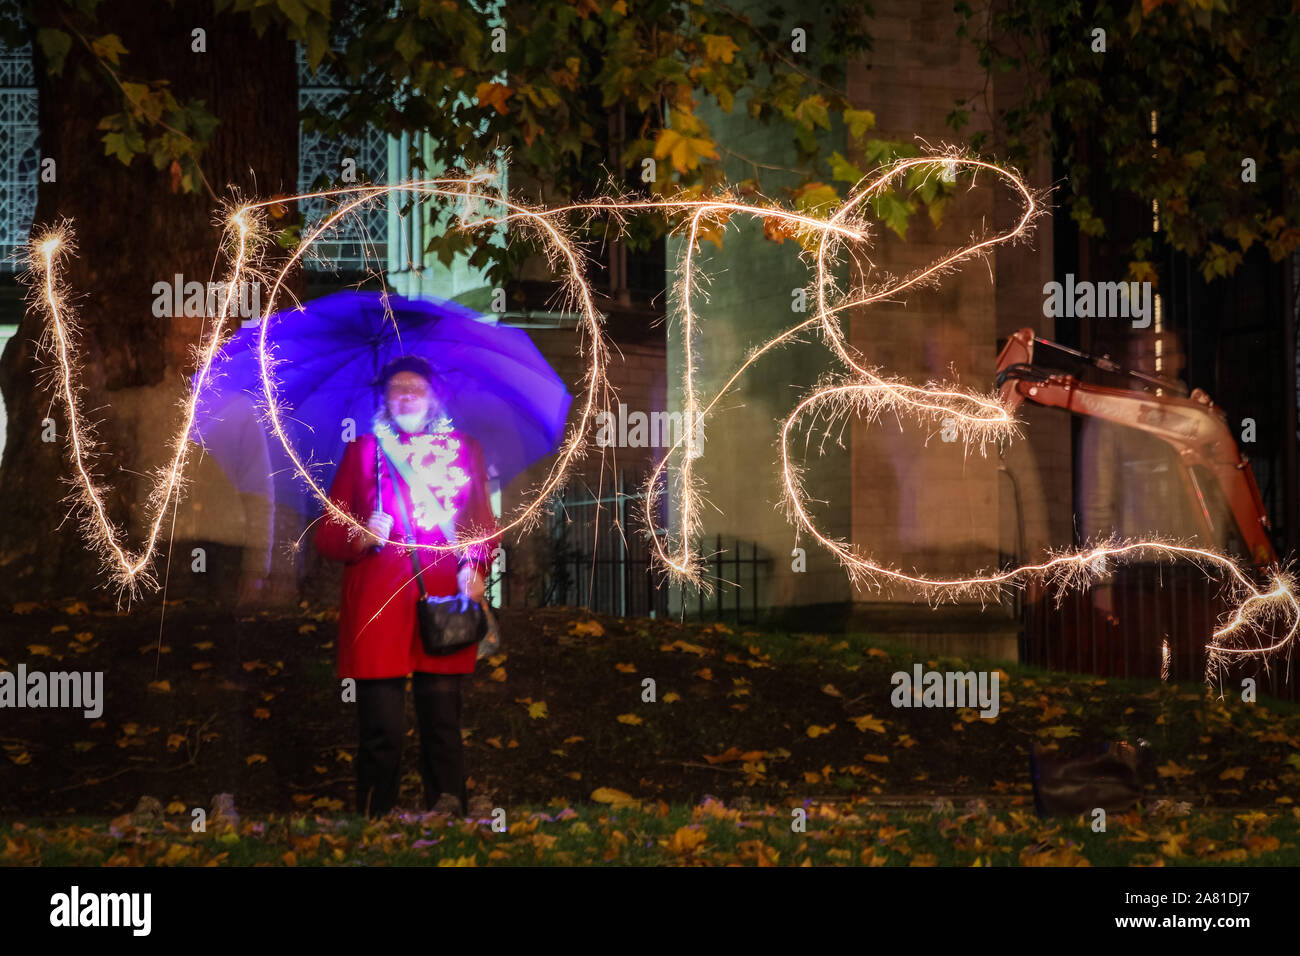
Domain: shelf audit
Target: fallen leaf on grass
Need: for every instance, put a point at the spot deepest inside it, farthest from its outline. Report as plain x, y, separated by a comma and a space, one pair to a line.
624, 668
161, 686
1233, 773
38, 650
632, 719
868, 722
615, 798
685, 841
1172, 769
829, 690
255, 758
591, 628
671, 697
1060, 731
733, 754
680, 645
816, 731
498, 675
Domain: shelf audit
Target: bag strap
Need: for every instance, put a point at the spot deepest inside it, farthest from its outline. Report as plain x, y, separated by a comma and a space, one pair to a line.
406, 526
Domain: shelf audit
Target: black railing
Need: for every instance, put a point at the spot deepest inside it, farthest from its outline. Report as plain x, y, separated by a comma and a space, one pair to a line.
734, 582
600, 557
1160, 623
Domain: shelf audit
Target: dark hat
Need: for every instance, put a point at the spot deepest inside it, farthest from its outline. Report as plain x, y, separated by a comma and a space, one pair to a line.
408, 363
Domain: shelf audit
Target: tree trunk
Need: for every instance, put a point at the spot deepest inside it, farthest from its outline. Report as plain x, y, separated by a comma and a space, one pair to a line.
130, 230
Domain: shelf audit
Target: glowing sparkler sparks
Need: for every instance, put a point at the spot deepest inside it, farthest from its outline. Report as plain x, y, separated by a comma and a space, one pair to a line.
859, 391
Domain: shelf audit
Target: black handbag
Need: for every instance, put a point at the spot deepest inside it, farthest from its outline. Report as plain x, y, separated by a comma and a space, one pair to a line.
447, 624
1112, 778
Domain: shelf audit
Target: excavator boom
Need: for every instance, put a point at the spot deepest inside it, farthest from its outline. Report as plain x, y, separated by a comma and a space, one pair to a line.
1192, 426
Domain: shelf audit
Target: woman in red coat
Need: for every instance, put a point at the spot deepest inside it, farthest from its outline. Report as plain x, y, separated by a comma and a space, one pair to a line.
379, 641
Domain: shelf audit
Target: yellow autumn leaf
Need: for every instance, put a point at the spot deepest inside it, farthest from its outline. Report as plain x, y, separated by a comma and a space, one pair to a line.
537, 710
1233, 773
632, 719
176, 807
876, 652
38, 650
255, 758
573, 740
174, 741
625, 668
719, 47
161, 686
1059, 732
498, 675
816, 731
686, 840
685, 151
684, 646
615, 798
868, 722
1172, 769
591, 628
875, 758
494, 95
830, 691
261, 713
58, 628
671, 697
203, 646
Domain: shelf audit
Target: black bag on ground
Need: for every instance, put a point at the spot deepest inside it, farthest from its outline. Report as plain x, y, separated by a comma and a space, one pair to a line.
1112, 778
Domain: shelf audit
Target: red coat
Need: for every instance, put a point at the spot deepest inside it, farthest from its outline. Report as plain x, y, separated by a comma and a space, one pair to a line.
378, 633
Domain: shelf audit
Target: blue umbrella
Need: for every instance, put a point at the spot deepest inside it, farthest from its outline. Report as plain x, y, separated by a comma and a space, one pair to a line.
328, 355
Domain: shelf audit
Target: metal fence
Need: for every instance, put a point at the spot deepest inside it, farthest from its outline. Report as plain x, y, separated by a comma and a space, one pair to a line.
599, 556
1164, 620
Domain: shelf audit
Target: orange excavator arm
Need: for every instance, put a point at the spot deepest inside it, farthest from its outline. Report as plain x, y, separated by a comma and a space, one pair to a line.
1193, 426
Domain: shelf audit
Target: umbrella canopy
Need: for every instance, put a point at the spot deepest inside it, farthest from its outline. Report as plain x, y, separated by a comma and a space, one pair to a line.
499, 388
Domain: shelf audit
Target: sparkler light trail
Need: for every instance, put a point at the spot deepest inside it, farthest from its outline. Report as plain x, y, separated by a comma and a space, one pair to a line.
856, 391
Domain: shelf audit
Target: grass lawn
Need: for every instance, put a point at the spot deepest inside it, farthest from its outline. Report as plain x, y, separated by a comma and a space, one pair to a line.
745, 726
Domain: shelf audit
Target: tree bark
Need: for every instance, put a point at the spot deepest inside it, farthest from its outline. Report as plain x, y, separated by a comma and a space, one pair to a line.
131, 230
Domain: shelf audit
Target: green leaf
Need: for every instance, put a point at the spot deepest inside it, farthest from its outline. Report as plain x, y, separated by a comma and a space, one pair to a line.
406, 44
294, 10
844, 171
859, 121
55, 44
124, 145
108, 47
893, 211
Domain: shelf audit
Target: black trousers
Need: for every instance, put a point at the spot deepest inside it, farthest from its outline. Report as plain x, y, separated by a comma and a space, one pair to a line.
381, 722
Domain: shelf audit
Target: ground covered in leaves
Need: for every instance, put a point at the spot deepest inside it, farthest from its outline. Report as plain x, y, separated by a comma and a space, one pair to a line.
201, 701
709, 834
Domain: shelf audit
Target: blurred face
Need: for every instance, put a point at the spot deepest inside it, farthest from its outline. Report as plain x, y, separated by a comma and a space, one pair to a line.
409, 397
